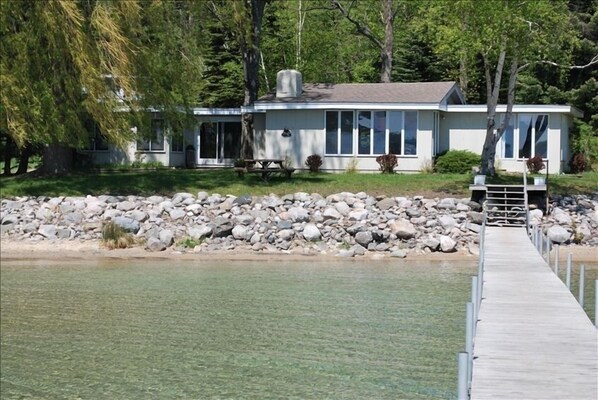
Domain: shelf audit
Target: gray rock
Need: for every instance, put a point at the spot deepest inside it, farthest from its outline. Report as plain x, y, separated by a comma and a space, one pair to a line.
311, 233
331, 213
155, 244
447, 221
360, 214
298, 214
111, 214
64, 233
138, 215
474, 227
431, 243
475, 217
398, 254
386, 204
128, 224
447, 244
346, 253
364, 238
413, 212
155, 199
342, 207
446, 204
166, 236
558, 234
282, 224
240, 232
243, 199
200, 232
125, 206
355, 228
403, 229
358, 250
222, 227
285, 234
562, 218
48, 231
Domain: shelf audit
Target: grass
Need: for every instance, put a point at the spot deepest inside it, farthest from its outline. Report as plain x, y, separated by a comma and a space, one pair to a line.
225, 181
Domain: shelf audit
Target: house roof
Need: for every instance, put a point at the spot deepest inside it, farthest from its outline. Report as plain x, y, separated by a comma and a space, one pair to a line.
371, 93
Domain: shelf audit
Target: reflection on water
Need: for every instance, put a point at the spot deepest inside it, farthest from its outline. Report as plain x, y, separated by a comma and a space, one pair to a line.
235, 330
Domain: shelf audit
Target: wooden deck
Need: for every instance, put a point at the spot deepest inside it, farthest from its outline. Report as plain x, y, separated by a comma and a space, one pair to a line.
533, 340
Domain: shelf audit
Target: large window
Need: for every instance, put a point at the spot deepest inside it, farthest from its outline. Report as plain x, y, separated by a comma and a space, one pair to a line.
378, 132
154, 141
97, 141
525, 137
339, 132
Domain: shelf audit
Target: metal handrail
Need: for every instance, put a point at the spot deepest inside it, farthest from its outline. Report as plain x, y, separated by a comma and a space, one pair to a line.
526, 205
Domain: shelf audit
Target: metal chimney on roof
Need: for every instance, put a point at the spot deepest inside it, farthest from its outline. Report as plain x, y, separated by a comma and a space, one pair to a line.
288, 83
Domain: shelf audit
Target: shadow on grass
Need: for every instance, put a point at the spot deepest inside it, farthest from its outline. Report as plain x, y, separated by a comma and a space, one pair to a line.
143, 183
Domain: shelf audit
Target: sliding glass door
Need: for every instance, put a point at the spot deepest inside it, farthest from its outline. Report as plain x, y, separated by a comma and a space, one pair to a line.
219, 142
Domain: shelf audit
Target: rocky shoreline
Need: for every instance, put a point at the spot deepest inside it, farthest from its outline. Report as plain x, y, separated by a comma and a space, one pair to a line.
343, 224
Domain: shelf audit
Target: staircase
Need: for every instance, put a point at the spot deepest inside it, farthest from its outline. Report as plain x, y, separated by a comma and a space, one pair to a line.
506, 205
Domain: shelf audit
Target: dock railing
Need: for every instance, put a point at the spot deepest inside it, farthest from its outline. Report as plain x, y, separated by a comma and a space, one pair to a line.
465, 358
543, 244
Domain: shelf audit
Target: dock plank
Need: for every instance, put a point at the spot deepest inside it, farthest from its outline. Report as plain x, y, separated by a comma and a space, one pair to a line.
533, 340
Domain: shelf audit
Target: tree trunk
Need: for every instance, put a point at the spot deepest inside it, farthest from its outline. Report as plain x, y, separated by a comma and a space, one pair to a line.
250, 49
58, 159
24, 160
492, 95
386, 54
8, 154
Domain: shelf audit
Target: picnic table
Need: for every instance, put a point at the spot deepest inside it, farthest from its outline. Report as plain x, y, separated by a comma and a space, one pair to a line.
266, 167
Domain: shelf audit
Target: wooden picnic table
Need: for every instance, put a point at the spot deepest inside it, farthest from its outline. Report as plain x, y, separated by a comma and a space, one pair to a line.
266, 167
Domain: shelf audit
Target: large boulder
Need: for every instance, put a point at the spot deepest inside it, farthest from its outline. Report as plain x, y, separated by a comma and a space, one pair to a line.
222, 227
364, 238
311, 233
128, 224
403, 229
200, 232
447, 244
558, 234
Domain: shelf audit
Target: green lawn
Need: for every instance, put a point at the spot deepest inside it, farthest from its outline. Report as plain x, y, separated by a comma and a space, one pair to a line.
225, 181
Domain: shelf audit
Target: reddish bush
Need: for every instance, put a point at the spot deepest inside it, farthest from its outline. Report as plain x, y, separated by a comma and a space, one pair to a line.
578, 163
313, 162
535, 164
387, 162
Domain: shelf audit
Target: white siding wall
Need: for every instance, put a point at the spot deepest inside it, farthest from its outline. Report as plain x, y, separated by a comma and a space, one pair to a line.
309, 137
467, 131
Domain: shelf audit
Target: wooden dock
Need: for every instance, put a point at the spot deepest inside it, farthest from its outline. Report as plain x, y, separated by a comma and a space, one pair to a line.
533, 340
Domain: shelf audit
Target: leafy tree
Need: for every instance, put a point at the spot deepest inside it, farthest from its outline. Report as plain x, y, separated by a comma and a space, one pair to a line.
508, 37
59, 62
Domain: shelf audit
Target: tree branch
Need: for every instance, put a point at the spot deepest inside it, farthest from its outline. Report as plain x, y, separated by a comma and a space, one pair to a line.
593, 61
360, 27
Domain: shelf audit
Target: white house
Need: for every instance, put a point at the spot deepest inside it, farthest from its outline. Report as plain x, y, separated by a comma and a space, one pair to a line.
354, 123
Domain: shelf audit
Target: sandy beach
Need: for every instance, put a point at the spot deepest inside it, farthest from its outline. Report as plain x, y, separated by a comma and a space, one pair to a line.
70, 250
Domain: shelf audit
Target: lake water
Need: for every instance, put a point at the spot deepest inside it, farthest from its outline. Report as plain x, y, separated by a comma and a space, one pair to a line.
232, 330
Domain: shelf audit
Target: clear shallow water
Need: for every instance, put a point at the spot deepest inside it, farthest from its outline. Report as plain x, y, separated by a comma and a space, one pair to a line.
238, 330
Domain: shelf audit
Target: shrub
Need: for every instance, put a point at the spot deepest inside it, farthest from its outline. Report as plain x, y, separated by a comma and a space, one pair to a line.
535, 164
115, 237
239, 163
313, 162
456, 162
387, 162
189, 242
578, 163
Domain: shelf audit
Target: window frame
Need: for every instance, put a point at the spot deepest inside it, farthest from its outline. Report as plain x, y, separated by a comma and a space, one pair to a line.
356, 132
515, 121
151, 139
95, 137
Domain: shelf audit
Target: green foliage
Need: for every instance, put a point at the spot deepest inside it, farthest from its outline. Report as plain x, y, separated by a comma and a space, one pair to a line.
456, 162
115, 237
387, 163
314, 162
189, 242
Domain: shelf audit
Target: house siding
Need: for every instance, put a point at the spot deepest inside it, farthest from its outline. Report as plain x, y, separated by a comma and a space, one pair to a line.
309, 137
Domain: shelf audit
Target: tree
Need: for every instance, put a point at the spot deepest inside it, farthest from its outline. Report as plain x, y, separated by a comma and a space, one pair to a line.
243, 19
508, 37
382, 39
61, 61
